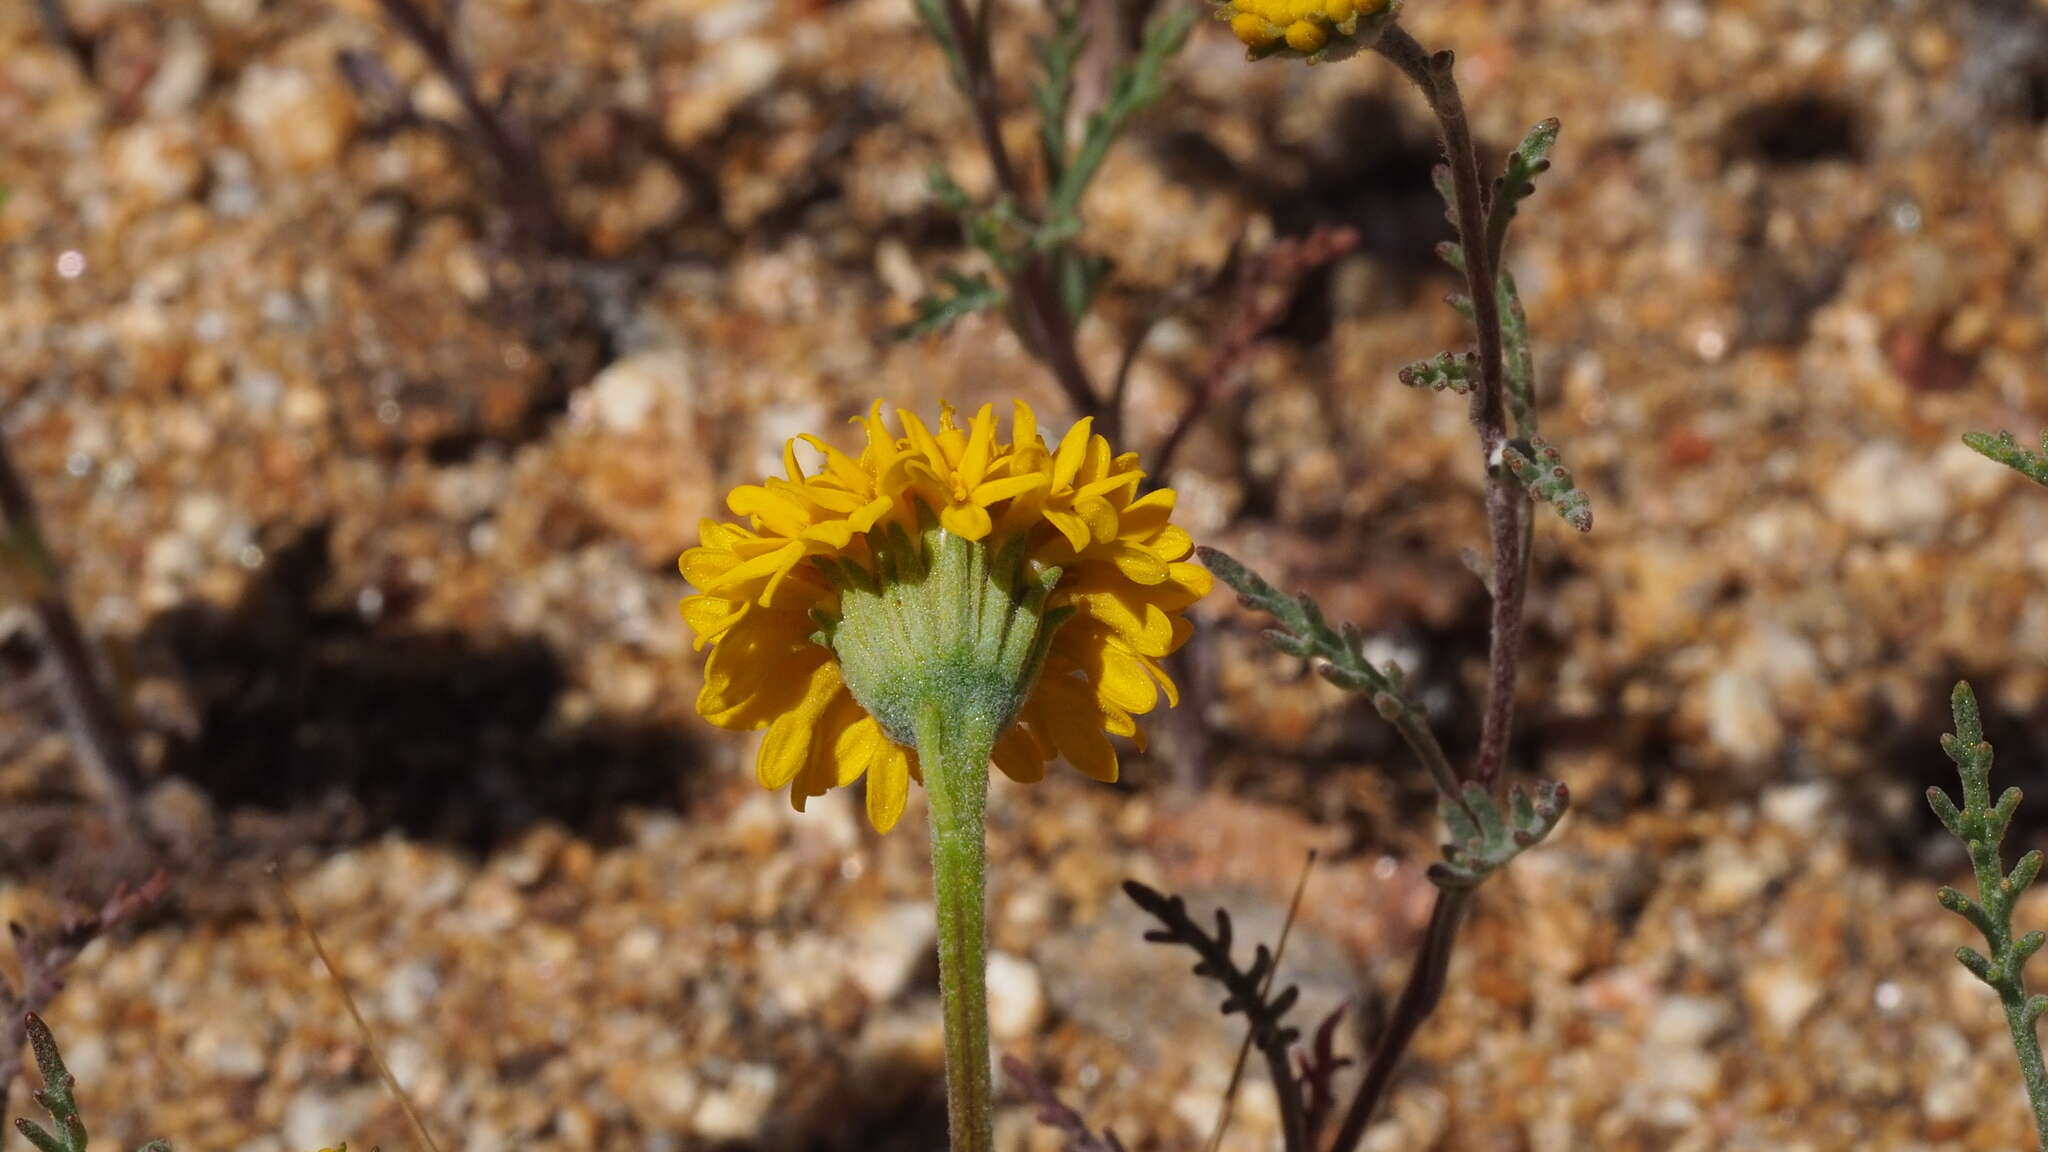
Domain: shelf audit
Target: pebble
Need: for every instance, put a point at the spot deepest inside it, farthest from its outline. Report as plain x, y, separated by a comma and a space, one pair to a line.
890, 949
735, 1110
1016, 997
1885, 493
1742, 718
293, 118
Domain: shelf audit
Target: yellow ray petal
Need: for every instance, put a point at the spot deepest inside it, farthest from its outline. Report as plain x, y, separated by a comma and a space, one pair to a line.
1007, 488
981, 446
1018, 757
787, 746
888, 787
1073, 446
967, 521
922, 442
856, 748
1024, 427
710, 616
1074, 721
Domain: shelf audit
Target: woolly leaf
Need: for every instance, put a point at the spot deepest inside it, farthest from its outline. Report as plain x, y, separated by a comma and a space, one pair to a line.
2007, 451
1444, 373
1483, 839
1528, 161
1541, 469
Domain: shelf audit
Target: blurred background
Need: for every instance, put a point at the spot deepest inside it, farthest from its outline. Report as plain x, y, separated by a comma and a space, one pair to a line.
370, 363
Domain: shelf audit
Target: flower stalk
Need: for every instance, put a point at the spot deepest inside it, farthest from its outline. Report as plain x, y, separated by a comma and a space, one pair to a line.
954, 748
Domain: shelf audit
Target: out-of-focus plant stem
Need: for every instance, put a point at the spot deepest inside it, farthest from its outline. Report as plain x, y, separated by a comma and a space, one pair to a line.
30, 574
527, 187
1050, 334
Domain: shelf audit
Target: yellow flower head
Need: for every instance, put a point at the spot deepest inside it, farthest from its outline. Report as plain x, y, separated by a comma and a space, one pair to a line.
1034, 587
1315, 29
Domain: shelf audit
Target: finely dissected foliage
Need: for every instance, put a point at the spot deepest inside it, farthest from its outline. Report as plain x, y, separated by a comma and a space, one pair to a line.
57, 1096
1248, 990
1483, 839
1541, 469
1485, 829
1339, 657
1981, 824
1054, 1113
1044, 280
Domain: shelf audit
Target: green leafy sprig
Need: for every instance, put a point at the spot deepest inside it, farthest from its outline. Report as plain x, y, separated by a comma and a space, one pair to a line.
2007, 451
1981, 825
1541, 470
1338, 654
58, 1097
1036, 251
966, 294
1483, 839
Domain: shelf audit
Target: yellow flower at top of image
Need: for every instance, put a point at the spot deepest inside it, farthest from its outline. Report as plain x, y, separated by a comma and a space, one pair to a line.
1031, 590
1316, 29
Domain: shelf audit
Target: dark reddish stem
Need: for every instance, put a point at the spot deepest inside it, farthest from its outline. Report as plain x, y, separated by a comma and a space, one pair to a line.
1506, 513
527, 186
43, 958
98, 737
1047, 328
1265, 286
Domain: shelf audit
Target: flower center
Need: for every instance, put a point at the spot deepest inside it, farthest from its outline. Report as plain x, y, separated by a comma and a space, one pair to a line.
940, 619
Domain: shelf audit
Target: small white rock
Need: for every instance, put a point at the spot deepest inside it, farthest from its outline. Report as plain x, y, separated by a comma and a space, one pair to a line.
735, 1111
1016, 997
1741, 719
891, 947
626, 394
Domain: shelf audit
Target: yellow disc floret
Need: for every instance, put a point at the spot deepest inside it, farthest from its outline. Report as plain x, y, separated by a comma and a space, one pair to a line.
1255, 30
1306, 27
1306, 36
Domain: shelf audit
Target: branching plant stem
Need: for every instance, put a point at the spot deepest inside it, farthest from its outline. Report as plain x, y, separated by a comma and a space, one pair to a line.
1050, 330
527, 187
1507, 512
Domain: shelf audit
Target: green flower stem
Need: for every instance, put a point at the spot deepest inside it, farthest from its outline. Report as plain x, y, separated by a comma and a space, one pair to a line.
953, 749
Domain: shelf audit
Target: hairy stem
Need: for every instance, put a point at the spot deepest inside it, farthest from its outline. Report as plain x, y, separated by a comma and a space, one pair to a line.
2027, 1044
1506, 508
953, 749
1507, 517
